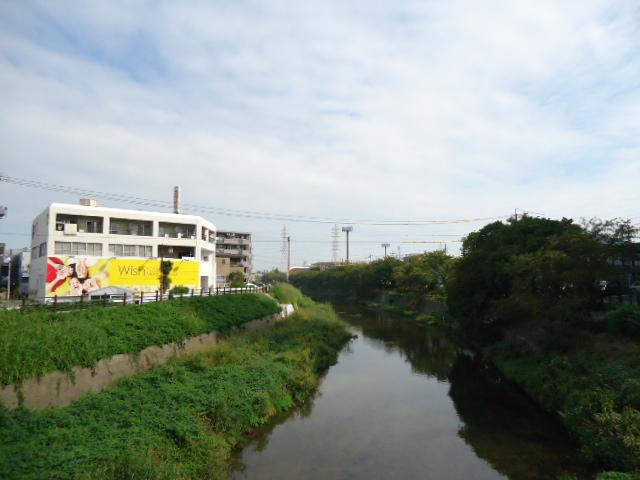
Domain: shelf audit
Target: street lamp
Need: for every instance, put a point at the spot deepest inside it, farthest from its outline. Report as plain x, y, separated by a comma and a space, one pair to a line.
347, 230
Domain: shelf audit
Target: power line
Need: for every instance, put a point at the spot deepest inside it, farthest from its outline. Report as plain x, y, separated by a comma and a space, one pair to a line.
231, 212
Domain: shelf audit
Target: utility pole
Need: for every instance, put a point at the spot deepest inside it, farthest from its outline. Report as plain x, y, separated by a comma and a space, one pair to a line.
283, 248
347, 230
288, 256
7, 260
385, 246
335, 243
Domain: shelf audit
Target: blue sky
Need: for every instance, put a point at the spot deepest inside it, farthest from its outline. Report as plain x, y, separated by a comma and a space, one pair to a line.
379, 110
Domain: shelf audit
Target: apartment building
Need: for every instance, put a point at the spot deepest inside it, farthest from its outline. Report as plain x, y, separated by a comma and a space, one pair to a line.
233, 254
77, 249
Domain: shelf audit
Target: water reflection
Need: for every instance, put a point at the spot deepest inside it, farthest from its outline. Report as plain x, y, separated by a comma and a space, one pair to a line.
405, 402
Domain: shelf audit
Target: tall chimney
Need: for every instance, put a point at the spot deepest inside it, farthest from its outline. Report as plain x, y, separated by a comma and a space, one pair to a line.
176, 199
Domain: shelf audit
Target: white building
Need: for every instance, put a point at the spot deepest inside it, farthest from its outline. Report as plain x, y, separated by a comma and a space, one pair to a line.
77, 249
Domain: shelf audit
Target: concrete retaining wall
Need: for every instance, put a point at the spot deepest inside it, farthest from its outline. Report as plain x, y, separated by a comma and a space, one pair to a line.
59, 389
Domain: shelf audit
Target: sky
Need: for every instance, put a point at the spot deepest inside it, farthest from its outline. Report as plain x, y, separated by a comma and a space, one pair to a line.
365, 110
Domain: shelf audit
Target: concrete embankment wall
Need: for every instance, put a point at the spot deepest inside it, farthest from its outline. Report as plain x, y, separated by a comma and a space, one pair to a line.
59, 389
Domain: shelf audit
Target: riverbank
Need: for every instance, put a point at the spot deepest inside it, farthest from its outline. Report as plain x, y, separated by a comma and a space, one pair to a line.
180, 420
592, 380
39, 342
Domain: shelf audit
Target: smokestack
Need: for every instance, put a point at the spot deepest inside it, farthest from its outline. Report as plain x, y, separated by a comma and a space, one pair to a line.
176, 199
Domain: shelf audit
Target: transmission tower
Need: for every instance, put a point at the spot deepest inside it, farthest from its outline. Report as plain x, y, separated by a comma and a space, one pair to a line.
284, 249
335, 243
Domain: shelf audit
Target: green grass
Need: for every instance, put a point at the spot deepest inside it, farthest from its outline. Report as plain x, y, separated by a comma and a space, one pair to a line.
42, 341
181, 420
287, 293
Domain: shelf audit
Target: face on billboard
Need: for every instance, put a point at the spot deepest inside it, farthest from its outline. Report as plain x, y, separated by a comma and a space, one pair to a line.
74, 276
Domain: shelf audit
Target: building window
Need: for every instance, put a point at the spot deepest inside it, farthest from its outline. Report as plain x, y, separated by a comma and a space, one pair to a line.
43, 249
117, 250
78, 248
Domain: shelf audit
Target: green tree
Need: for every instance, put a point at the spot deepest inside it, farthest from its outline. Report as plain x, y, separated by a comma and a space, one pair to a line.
422, 276
526, 269
165, 269
274, 276
236, 279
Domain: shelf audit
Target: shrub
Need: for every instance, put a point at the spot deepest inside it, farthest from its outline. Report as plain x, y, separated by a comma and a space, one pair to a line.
286, 293
180, 290
624, 320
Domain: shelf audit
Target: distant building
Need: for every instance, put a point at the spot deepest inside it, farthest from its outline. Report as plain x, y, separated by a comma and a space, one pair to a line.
629, 266
296, 270
324, 265
233, 254
77, 249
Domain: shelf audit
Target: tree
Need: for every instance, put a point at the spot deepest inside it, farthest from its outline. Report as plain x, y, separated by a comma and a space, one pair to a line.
528, 269
423, 275
165, 269
274, 276
236, 279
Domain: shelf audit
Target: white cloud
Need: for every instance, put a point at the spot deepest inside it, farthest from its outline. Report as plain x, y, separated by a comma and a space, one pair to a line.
343, 109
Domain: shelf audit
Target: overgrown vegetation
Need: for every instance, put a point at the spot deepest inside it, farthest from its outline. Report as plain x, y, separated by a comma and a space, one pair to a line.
409, 284
181, 420
38, 342
180, 290
273, 276
287, 293
348, 282
529, 292
236, 279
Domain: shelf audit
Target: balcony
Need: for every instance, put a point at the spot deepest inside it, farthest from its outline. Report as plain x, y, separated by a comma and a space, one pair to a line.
170, 251
228, 251
208, 235
240, 264
177, 230
125, 226
83, 224
233, 241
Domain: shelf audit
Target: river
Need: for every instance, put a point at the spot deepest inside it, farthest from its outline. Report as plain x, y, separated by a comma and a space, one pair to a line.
403, 402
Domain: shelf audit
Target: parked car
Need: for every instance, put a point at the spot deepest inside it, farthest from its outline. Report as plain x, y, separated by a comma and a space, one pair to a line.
635, 286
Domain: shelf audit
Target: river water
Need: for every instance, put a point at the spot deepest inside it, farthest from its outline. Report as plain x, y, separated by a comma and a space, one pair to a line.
404, 402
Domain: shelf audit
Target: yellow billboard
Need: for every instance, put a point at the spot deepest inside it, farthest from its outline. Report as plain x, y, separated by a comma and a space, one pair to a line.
81, 275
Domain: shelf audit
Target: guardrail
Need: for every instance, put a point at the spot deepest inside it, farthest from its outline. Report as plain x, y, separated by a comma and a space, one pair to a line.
68, 303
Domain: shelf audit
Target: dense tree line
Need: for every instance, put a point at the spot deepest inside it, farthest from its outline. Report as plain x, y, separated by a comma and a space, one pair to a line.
535, 269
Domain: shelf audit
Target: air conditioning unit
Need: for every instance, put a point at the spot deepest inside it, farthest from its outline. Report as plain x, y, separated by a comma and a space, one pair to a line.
70, 229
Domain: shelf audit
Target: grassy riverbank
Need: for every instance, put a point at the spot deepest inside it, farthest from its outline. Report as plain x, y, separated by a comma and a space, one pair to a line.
591, 379
42, 341
181, 420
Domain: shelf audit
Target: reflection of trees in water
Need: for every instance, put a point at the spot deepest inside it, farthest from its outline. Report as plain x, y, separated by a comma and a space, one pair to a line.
505, 428
500, 424
427, 351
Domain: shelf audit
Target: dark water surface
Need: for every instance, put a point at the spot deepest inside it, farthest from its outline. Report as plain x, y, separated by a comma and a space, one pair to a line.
404, 402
